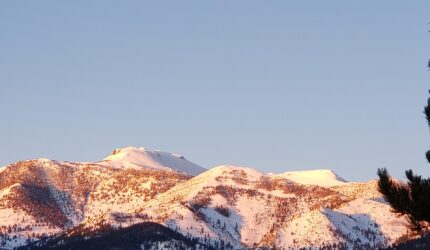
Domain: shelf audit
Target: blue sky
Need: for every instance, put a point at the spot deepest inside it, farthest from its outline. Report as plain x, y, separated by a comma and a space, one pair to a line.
274, 85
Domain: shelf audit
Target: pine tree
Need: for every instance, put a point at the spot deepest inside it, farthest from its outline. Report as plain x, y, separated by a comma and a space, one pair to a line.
412, 198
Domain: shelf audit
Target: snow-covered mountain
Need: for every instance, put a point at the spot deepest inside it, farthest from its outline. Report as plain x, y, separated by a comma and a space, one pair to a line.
318, 177
136, 158
225, 207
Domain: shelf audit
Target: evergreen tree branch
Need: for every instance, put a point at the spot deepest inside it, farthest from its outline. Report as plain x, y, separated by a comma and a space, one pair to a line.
395, 193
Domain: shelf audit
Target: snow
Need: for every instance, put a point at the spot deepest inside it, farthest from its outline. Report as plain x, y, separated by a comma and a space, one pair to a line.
113, 202
318, 177
43, 160
8, 190
255, 222
254, 215
262, 208
375, 213
133, 157
10, 217
213, 177
304, 230
227, 171
361, 220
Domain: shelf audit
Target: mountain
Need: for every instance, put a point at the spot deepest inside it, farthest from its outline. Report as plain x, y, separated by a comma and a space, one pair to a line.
318, 177
46, 203
136, 158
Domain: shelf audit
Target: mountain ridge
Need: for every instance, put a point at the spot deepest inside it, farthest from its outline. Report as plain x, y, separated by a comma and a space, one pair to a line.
226, 205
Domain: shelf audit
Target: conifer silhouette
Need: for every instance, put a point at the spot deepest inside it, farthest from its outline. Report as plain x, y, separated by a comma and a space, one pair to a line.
411, 198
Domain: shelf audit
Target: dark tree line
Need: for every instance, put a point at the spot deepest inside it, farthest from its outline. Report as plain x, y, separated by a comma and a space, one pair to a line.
147, 234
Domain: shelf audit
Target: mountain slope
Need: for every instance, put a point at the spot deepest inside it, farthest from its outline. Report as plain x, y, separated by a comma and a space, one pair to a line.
44, 197
245, 208
228, 207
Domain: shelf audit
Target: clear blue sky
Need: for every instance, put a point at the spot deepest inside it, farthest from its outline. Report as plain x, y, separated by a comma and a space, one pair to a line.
274, 85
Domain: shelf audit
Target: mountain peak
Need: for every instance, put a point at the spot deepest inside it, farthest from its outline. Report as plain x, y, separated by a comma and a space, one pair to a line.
127, 152
138, 157
318, 177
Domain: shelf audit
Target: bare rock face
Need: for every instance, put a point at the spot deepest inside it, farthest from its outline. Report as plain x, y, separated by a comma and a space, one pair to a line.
228, 207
